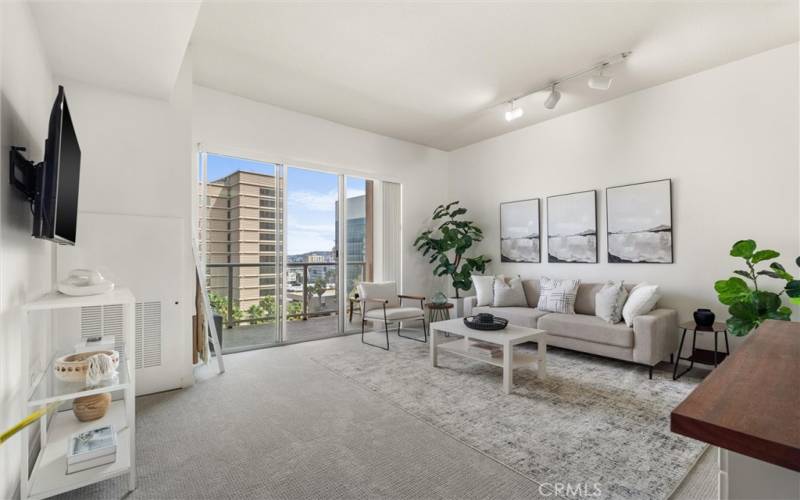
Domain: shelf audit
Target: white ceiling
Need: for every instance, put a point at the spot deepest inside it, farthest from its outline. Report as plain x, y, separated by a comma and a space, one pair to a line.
430, 73
135, 47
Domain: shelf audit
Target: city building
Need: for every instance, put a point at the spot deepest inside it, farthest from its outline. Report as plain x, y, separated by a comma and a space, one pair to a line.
240, 230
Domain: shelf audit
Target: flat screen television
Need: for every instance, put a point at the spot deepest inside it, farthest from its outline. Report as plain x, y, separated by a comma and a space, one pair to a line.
55, 206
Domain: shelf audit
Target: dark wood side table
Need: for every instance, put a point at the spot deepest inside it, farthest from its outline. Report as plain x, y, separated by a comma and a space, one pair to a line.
701, 355
439, 312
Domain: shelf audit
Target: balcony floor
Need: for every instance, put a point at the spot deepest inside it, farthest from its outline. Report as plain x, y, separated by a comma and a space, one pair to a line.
245, 337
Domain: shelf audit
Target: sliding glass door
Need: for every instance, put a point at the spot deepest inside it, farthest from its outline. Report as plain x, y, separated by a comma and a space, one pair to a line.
285, 248
312, 260
241, 241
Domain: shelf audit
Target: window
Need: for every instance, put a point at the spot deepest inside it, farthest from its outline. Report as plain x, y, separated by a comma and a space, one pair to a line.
267, 192
266, 203
267, 214
266, 225
267, 281
267, 258
266, 237
266, 269
267, 248
265, 293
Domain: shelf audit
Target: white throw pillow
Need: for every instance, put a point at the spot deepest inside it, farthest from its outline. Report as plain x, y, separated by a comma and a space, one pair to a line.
641, 301
484, 291
558, 295
609, 301
509, 294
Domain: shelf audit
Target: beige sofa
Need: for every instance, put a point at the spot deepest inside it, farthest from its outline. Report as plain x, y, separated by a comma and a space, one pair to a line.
652, 339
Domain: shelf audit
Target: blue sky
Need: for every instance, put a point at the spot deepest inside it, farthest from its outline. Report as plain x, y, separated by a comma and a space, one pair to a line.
311, 198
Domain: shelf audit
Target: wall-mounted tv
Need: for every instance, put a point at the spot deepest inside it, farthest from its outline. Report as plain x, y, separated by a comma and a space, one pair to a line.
52, 185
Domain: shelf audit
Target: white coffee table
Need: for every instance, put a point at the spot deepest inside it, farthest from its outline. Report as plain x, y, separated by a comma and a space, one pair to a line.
508, 337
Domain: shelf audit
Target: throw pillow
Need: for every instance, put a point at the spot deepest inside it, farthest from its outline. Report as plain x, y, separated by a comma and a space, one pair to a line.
484, 292
509, 294
558, 295
609, 301
641, 301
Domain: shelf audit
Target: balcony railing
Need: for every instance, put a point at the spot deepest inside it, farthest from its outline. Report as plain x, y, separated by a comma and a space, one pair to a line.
307, 284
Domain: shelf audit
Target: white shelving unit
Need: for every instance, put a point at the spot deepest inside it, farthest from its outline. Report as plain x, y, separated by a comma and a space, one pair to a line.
49, 475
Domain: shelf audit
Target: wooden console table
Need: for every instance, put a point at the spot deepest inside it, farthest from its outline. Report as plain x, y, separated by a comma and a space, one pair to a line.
750, 406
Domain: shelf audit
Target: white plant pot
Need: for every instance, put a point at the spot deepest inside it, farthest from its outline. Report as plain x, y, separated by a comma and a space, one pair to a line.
458, 307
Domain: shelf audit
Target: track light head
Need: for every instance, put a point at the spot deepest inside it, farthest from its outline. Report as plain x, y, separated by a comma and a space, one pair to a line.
553, 98
513, 112
600, 81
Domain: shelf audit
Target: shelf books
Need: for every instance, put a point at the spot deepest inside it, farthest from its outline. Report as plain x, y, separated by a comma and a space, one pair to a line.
486, 349
91, 448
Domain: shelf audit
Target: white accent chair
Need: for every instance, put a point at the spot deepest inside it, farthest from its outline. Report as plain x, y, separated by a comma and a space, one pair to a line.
381, 302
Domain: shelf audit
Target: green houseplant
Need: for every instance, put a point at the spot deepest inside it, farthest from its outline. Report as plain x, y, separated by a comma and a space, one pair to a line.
749, 307
447, 246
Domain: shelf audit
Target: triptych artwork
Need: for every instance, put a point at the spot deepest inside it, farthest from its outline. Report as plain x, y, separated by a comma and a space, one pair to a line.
638, 226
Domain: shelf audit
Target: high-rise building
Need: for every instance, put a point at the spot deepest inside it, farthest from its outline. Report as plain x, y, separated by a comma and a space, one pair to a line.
241, 223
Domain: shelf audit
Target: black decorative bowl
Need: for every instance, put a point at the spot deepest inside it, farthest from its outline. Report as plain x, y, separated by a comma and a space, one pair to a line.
495, 323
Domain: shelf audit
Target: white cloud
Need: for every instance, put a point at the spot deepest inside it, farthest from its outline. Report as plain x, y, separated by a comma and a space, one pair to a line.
321, 202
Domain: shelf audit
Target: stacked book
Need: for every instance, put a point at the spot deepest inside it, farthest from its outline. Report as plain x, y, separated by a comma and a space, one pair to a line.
91, 448
486, 349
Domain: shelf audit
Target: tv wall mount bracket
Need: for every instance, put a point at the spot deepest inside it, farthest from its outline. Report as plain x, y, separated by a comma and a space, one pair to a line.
24, 173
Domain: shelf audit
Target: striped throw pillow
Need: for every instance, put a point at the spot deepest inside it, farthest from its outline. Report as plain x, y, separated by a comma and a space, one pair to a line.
558, 295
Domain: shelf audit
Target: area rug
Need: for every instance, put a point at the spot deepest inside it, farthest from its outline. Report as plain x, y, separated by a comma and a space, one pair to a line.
594, 427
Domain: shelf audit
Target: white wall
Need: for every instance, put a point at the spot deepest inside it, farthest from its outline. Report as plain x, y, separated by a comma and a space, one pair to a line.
136, 168
27, 92
728, 139
225, 123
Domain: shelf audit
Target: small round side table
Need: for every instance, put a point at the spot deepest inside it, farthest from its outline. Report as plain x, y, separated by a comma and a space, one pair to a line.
438, 312
703, 356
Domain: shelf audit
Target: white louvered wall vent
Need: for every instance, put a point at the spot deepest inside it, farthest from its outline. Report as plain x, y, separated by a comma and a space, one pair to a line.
108, 320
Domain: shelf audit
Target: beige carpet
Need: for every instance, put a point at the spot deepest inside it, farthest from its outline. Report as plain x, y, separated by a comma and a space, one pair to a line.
278, 425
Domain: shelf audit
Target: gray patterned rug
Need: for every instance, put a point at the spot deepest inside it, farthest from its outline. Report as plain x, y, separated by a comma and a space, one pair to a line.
592, 422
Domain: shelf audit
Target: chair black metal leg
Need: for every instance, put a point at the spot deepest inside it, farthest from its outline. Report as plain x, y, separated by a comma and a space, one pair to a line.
424, 338
651, 373
363, 325
671, 358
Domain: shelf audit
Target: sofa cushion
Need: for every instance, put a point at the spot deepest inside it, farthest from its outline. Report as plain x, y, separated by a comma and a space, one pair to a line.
509, 293
558, 295
585, 299
531, 288
589, 328
520, 316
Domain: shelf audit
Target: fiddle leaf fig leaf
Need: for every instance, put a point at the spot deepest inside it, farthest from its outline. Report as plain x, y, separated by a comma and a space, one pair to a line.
732, 290
740, 327
781, 271
771, 274
763, 255
793, 291
742, 273
743, 249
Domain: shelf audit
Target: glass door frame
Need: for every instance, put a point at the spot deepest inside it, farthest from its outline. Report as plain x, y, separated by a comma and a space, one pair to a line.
200, 224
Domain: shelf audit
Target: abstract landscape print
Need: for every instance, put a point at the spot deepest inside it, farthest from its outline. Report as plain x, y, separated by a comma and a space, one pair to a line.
572, 227
519, 231
639, 222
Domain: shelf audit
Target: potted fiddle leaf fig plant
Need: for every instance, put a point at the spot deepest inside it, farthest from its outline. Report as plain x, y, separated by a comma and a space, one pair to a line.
750, 305
448, 245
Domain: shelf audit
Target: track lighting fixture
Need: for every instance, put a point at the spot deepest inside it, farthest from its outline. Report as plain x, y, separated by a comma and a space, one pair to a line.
513, 111
553, 98
600, 81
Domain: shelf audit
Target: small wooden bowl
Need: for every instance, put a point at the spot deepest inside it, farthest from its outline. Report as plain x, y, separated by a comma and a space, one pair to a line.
72, 368
88, 408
